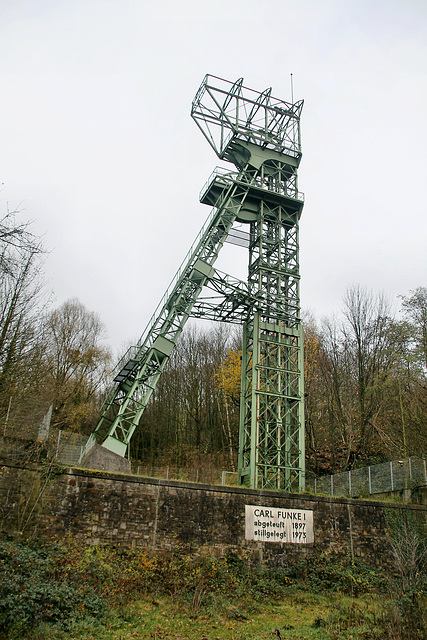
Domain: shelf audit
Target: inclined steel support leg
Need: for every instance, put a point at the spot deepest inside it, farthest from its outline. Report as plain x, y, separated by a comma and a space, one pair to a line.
132, 395
260, 135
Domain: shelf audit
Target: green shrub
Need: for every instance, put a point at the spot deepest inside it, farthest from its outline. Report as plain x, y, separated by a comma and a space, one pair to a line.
339, 572
32, 590
62, 584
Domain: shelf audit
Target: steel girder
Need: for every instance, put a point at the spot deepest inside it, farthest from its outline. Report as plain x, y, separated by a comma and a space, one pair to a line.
271, 452
260, 135
244, 126
226, 112
142, 366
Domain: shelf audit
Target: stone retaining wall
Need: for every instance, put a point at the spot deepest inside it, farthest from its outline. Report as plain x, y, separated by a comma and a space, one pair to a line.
125, 510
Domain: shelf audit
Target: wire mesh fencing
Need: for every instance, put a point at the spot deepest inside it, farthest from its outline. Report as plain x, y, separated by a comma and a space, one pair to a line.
387, 477
69, 447
203, 475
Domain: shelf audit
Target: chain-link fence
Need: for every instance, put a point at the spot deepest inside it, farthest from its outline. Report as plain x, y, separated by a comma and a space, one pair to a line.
66, 446
397, 475
204, 475
69, 447
379, 478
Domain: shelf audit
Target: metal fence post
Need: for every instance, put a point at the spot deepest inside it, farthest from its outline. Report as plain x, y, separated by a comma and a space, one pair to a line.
7, 416
391, 475
332, 485
370, 480
57, 442
349, 483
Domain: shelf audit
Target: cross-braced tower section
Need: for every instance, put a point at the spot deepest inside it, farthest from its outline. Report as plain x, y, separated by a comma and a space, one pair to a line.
260, 136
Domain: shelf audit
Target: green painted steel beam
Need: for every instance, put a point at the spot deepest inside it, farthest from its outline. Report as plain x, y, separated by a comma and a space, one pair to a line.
260, 136
129, 398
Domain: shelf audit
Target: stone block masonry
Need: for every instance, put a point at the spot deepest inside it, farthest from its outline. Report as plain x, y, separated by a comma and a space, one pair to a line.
102, 508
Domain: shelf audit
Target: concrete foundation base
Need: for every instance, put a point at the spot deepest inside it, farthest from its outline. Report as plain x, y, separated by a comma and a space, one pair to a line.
101, 458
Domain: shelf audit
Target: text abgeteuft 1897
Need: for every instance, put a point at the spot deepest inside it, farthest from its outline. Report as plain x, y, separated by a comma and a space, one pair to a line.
276, 524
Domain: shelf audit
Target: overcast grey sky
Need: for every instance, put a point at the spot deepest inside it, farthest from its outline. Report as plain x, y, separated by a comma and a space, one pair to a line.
98, 145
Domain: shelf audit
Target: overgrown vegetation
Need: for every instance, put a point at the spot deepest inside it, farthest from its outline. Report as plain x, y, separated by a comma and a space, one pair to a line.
67, 590
409, 550
24, 501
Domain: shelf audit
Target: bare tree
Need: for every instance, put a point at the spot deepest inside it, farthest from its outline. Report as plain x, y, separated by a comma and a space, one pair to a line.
369, 345
359, 355
22, 300
411, 372
77, 364
415, 311
16, 242
187, 416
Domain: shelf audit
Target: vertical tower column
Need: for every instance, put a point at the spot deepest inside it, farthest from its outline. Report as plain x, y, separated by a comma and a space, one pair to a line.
272, 409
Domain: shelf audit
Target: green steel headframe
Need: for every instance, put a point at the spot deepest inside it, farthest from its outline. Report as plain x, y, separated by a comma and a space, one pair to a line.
260, 135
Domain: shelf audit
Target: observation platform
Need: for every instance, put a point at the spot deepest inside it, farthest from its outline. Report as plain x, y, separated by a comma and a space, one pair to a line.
220, 182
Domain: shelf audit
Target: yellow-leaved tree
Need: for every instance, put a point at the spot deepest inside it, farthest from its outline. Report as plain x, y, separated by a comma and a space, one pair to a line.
227, 381
227, 377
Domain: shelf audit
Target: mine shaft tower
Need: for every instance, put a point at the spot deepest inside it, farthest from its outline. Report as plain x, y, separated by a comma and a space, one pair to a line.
260, 136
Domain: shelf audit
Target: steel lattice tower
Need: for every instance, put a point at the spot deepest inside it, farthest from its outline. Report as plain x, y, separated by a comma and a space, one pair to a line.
260, 136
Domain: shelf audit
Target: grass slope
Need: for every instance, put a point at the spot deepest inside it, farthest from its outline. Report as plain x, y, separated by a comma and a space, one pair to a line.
65, 590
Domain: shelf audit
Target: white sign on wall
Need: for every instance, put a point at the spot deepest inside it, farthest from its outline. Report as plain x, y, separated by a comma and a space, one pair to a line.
276, 524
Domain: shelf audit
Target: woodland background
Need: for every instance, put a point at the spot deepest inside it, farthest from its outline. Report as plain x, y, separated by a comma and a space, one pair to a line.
365, 374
